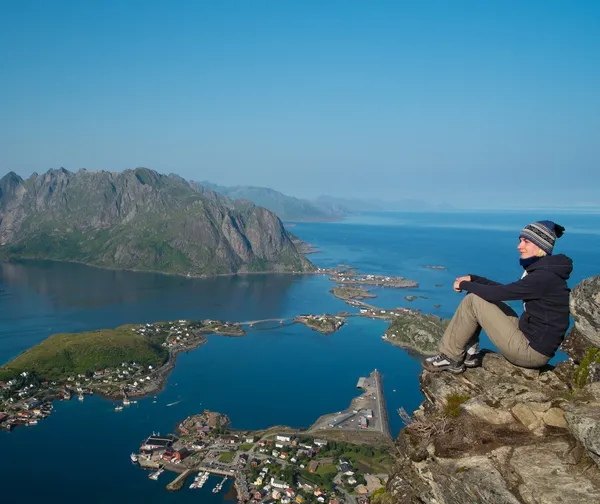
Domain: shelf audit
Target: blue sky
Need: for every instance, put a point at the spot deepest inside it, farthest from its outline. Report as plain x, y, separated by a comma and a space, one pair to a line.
470, 102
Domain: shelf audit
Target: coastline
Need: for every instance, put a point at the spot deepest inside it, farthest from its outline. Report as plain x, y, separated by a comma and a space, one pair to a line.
168, 273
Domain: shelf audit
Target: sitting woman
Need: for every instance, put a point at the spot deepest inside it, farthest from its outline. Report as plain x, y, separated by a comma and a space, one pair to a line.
530, 341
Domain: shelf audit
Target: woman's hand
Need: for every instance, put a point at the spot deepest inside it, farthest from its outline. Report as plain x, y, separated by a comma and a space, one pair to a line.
466, 278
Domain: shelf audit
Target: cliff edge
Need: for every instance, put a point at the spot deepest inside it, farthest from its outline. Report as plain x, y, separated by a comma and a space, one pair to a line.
501, 434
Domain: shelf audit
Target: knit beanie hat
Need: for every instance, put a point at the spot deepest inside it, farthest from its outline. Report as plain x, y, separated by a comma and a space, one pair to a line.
543, 234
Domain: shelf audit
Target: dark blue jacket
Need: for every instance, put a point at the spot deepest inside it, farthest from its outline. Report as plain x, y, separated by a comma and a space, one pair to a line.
545, 294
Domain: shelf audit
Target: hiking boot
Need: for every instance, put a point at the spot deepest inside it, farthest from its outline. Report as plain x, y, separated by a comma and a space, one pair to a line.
441, 362
472, 361
473, 358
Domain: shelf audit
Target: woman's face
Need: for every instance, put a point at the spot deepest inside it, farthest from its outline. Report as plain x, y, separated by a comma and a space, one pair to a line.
527, 249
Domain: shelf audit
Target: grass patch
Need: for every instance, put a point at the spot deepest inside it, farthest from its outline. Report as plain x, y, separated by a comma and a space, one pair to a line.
64, 355
326, 470
581, 374
246, 447
378, 463
453, 402
226, 457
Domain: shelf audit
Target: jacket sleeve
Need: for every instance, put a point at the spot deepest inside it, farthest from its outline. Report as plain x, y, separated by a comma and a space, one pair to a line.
482, 280
529, 287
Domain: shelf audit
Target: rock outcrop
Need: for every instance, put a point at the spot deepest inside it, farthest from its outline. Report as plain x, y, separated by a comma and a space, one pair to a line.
503, 434
140, 219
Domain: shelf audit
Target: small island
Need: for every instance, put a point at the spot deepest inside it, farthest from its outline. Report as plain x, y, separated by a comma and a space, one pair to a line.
343, 457
412, 298
348, 293
435, 267
325, 324
347, 275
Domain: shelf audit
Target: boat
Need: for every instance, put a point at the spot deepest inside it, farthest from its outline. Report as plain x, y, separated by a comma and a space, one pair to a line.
133, 457
126, 402
118, 408
80, 397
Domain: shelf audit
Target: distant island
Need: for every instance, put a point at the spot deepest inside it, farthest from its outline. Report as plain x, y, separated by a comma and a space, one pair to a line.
140, 220
412, 298
347, 292
435, 267
325, 324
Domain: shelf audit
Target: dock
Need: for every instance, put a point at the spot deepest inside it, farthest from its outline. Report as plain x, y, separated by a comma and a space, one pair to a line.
222, 472
179, 481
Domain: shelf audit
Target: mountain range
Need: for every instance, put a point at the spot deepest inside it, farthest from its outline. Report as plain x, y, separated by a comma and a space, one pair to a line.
142, 220
287, 208
322, 209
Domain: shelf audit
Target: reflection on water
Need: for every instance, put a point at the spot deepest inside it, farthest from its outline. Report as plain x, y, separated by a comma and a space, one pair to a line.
70, 285
41, 298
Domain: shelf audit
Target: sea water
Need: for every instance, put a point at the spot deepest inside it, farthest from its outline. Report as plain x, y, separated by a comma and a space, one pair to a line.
285, 375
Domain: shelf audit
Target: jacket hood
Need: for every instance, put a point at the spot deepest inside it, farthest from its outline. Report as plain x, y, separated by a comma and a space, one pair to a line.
559, 264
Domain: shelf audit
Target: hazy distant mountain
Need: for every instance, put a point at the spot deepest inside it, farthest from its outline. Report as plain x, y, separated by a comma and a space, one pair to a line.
287, 208
349, 204
359, 205
139, 219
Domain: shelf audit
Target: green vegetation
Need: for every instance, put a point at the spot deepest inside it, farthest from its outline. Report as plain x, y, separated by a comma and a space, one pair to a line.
326, 471
226, 457
141, 220
581, 374
64, 355
345, 292
374, 461
246, 447
453, 402
325, 482
382, 497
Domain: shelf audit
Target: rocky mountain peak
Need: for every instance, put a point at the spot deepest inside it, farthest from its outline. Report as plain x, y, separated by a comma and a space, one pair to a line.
139, 219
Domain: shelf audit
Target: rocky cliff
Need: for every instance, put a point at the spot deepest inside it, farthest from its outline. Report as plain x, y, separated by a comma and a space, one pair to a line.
139, 219
500, 434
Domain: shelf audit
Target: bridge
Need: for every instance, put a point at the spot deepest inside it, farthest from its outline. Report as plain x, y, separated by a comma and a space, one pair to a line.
251, 323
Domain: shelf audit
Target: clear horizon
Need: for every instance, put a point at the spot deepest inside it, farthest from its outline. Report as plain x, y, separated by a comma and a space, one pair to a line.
475, 104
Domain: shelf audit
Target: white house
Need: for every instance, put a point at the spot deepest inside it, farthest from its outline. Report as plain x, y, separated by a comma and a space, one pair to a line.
283, 437
278, 483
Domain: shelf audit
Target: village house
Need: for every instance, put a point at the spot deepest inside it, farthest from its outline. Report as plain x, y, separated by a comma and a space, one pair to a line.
276, 483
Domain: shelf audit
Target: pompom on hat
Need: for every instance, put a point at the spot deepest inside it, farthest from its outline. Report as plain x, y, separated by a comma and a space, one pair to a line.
543, 234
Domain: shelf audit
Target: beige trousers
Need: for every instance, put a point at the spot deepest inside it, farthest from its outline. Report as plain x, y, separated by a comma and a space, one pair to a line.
500, 323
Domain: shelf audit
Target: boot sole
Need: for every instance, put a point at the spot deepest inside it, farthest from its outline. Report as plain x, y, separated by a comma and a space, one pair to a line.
434, 369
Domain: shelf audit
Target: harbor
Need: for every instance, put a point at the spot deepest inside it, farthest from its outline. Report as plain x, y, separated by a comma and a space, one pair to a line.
279, 463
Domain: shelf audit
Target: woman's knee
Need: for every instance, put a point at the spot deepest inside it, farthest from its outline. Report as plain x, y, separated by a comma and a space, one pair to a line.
472, 299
